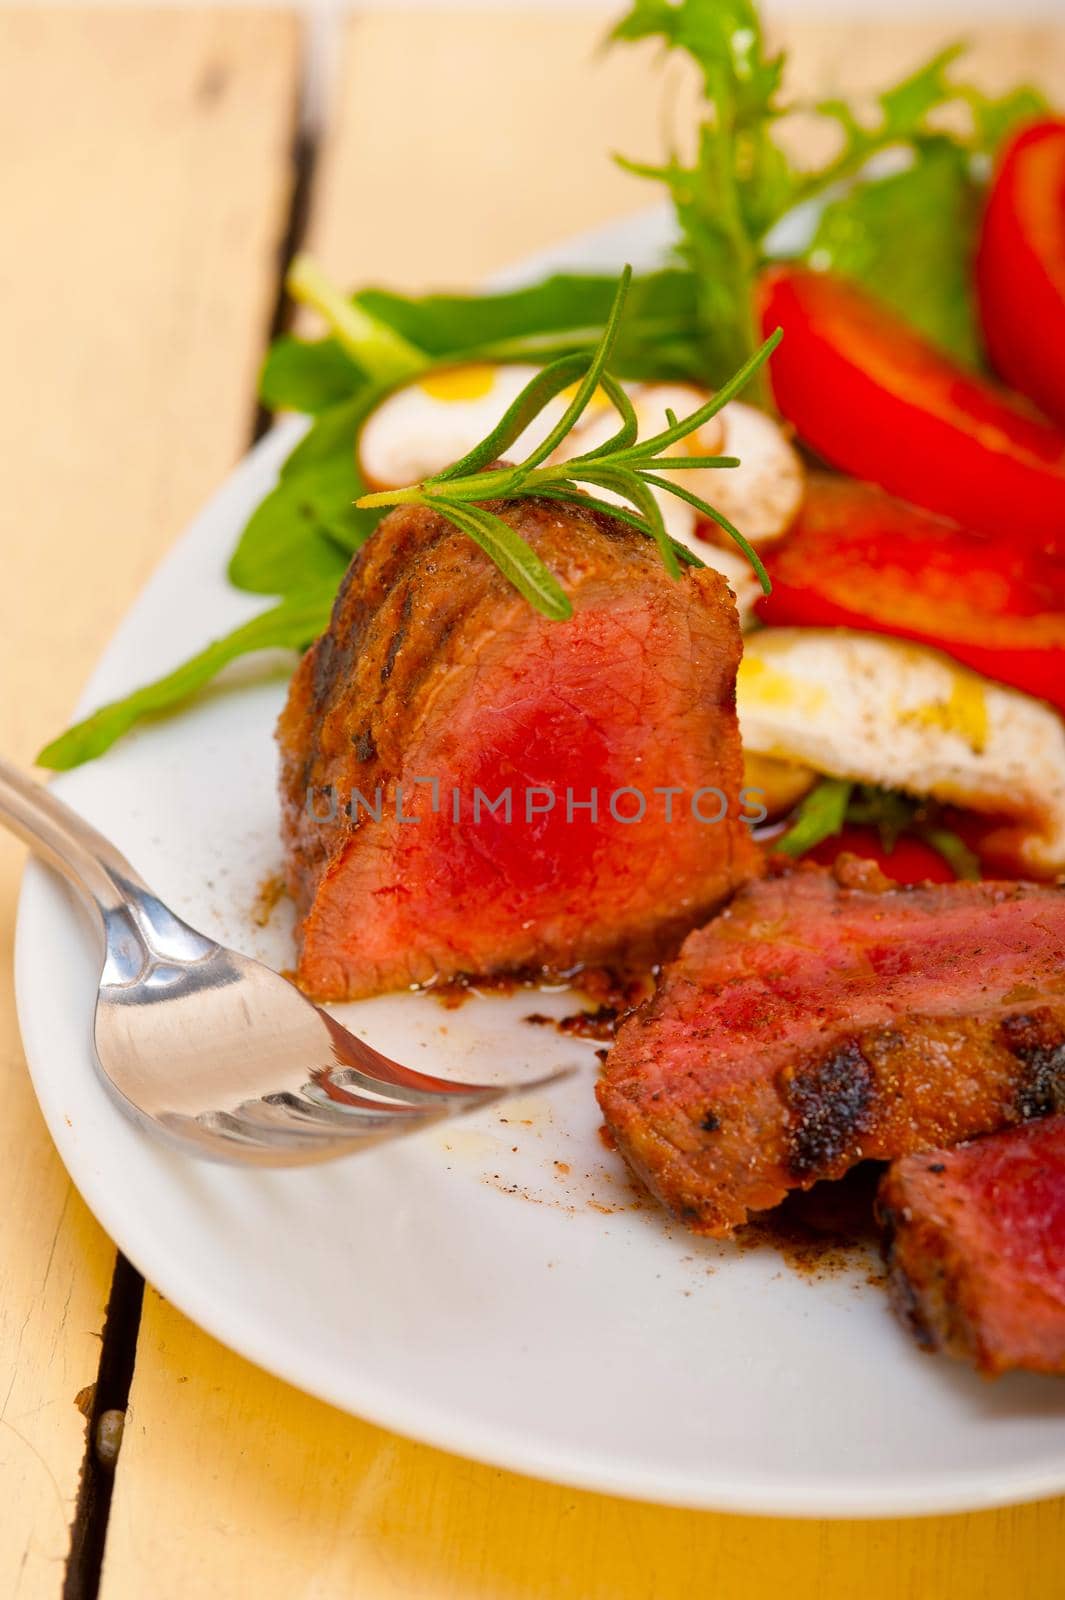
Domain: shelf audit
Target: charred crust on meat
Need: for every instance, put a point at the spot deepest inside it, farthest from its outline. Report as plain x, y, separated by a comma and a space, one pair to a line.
1037, 1040
710, 1122
828, 1105
365, 745
395, 644
904, 1296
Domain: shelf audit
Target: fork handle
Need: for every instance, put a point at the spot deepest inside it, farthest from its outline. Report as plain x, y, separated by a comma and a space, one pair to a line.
69, 843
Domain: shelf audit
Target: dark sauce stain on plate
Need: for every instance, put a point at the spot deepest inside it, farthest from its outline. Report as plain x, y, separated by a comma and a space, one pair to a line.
610, 996
268, 897
826, 1231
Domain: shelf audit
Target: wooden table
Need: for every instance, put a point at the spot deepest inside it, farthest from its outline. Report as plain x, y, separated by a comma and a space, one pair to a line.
157, 169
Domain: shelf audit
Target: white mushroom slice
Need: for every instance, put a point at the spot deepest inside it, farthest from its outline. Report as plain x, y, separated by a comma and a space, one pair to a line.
761, 496
903, 716
433, 421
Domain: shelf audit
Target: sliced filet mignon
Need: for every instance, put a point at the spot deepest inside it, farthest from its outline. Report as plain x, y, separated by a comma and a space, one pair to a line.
434, 668
975, 1243
828, 1015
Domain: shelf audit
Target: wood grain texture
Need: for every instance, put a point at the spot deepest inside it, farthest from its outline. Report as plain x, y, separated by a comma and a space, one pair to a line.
232, 1484
459, 141
143, 187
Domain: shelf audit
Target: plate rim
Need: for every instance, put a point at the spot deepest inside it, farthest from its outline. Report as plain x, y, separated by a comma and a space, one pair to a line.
444, 1428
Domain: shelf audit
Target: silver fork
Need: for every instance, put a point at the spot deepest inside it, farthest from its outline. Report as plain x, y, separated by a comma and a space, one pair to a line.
210, 1050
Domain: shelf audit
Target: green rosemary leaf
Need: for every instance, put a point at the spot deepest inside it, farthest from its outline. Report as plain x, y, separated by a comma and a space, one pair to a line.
515, 559
682, 463
589, 383
580, 497
623, 466
715, 516
541, 389
631, 488
626, 434
647, 449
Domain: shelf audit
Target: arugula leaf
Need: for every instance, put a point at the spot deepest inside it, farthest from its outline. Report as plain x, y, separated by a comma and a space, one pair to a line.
307, 375
909, 239
740, 181
994, 120
291, 625
833, 803
820, 815
903, 117
305, 530
560, 314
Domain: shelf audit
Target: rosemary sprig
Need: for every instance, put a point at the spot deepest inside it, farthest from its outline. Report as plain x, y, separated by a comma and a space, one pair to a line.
622, 465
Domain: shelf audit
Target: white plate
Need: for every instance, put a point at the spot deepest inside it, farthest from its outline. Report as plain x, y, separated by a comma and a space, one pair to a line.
490, 1288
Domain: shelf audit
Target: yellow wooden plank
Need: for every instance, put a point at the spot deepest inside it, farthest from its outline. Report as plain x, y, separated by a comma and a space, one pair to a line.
143, 189
231, 1484
461, 140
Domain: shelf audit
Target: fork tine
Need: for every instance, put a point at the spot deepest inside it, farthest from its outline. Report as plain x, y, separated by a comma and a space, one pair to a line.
339, 1083
460, 1096
324, 1112
324, 1089
283, 1118
218, 1136
370, 1069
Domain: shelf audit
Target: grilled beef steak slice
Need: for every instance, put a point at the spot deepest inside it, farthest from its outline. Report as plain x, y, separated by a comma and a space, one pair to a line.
975, 1244
434, 668
827, 1016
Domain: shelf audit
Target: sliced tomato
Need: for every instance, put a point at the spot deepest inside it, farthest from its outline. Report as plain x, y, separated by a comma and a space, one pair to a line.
911, 861
1020, 265
856, 558
873, 398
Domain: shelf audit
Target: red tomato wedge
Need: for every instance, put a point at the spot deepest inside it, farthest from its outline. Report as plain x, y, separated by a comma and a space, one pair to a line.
856, 558
873, 398
911, 860
1020, 266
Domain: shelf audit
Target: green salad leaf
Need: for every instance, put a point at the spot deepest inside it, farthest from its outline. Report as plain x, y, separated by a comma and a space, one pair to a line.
291, 625
306, 530
308, 375
820, 815
562, 313
835, 803
908, 236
